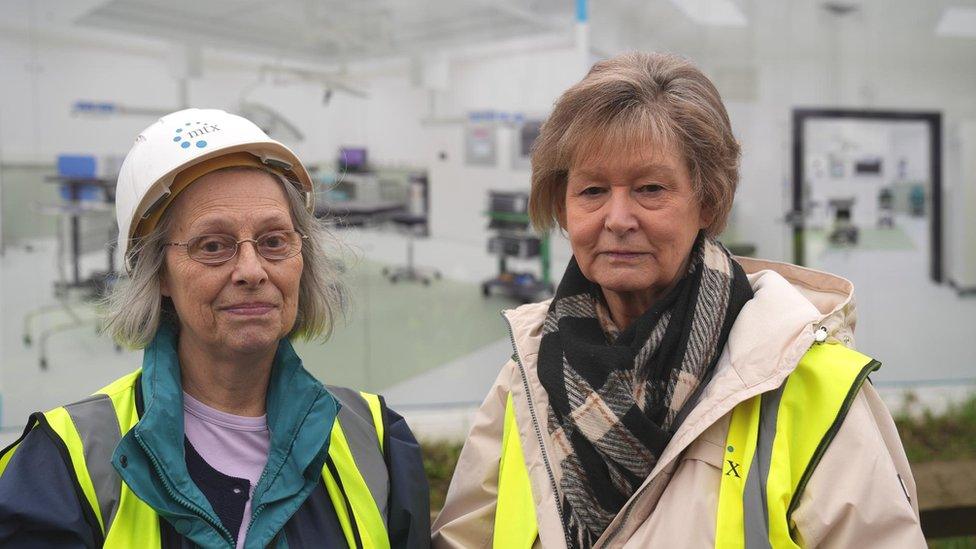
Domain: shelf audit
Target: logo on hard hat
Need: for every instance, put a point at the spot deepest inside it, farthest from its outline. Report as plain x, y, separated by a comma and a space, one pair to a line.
192, 133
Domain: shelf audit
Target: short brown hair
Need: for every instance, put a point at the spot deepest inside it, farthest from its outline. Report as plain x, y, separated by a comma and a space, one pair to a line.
632, 100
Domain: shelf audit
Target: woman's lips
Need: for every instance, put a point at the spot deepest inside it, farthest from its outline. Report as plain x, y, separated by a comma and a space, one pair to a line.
249, 309
624, 256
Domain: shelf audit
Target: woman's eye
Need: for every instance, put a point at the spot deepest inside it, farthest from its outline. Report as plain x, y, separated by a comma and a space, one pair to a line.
591, 191
651, 188
212, 246
273, 242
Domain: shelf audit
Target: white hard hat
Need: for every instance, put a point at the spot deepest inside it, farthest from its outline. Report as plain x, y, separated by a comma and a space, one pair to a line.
179, 141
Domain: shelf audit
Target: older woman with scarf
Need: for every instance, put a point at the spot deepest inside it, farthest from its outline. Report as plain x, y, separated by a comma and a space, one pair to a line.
671, 395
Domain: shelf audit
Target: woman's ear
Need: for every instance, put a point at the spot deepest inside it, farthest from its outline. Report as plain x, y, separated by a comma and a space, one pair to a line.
164, 284
561, 208
706, 217
561, 214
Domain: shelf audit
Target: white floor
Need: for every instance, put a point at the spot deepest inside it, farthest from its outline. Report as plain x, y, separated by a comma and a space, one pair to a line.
422, 401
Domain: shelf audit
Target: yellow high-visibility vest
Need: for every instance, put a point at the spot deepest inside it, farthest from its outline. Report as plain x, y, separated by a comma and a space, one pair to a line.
774, 443
90, 430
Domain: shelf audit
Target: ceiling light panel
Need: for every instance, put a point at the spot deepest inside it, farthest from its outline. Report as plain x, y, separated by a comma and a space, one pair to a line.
957, 21
714, 13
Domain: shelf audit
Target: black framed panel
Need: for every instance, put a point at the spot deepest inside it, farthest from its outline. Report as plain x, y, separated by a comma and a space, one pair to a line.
934, 123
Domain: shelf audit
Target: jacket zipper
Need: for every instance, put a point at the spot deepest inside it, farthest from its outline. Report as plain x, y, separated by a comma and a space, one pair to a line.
626, 517
180, 499
255, 512
538, 431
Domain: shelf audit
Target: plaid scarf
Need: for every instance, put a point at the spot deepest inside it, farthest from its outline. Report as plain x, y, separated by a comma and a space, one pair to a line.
614, 397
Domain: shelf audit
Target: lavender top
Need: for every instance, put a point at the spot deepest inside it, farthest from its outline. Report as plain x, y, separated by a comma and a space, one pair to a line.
236, 446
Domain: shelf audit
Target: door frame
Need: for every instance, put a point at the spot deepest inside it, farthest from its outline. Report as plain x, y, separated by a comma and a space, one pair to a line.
932, 119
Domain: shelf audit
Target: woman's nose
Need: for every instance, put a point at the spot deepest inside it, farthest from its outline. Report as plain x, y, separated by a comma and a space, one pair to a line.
249, 269
620, 216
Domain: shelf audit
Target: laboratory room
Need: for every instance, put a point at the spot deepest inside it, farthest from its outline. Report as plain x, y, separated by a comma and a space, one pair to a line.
457, 273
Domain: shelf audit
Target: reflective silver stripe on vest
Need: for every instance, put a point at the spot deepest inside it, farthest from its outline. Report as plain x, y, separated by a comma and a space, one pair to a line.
360, 431
98, 428
754, 498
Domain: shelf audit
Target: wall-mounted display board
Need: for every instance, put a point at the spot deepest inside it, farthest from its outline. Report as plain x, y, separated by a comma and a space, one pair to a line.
480, 140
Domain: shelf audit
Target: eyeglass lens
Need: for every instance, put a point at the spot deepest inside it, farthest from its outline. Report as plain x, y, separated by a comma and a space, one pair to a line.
217, 248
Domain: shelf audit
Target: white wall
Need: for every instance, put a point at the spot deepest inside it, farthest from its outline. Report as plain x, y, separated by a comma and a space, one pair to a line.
527, 83
764, 126
961, 203
39, 82
41, 78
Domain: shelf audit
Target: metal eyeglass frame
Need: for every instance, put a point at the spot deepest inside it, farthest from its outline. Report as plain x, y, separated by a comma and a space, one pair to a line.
237, 246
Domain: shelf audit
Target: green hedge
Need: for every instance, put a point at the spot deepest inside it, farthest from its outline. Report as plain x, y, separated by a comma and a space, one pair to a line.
439, 461
943, 437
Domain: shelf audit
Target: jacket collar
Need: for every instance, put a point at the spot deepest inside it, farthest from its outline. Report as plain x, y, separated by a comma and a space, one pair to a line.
300, 412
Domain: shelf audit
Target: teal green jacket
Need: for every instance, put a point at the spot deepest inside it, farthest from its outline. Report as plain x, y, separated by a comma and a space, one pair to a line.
300, 417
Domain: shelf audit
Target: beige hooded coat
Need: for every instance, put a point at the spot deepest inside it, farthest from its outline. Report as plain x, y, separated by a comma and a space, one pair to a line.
861, 494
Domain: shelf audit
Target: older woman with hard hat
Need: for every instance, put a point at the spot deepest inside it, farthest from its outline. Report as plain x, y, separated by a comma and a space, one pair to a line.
222, 438
671, 395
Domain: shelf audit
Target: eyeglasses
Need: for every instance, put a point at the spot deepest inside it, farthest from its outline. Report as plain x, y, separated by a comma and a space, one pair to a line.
214, 249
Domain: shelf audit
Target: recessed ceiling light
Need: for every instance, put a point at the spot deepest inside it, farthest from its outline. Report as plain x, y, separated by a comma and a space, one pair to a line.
840, 8
957, 21
714, 13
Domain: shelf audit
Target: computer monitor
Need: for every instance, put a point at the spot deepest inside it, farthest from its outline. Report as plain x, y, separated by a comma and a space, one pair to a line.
352, 159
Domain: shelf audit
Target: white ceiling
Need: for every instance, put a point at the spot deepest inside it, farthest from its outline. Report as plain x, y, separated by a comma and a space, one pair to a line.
886, 29
889, 32
330, 30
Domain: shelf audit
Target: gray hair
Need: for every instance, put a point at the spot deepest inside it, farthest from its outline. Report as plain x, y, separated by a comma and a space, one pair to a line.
136, 306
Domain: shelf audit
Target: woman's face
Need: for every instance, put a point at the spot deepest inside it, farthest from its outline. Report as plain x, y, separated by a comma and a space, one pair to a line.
247, 304
632, 219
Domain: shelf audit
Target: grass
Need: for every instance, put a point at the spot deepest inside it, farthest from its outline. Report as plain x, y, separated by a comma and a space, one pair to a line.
954, 543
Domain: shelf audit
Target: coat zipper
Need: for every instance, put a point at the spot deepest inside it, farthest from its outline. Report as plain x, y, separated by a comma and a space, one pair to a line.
538, 430
630, 507
256, 511
180, 499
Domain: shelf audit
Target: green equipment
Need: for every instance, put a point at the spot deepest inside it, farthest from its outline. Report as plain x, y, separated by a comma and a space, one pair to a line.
509, 219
